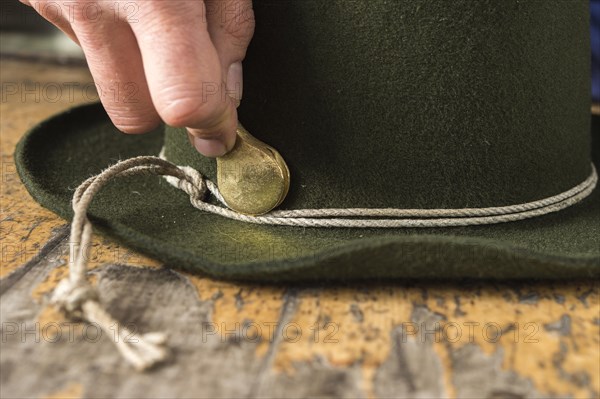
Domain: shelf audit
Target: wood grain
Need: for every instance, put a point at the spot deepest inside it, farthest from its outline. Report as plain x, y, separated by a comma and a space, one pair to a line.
394, 339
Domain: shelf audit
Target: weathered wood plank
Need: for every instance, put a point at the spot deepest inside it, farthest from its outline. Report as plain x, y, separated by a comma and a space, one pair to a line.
156, 300
522, 313
41, 351
224, 360
48, 250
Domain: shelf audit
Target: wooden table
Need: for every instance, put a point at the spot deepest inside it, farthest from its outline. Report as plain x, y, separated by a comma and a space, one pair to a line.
425, 339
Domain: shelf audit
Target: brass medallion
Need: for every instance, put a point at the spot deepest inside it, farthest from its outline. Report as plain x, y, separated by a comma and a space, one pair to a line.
253, 178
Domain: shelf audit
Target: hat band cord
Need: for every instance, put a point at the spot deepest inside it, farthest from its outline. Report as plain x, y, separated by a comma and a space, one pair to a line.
391, 217
77, 298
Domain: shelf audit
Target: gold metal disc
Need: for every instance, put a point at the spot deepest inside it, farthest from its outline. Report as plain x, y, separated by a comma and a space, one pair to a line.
253, 177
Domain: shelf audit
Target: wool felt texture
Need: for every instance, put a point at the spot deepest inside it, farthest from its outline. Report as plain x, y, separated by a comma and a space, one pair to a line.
421, 104
148, 214
455, 103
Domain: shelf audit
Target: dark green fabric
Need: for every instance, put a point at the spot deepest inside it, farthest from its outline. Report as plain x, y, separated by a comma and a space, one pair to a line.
434, 103
148, 214
413, 104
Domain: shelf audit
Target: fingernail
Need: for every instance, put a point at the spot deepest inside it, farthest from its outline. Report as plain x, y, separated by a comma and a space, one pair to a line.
210, 147
235, 81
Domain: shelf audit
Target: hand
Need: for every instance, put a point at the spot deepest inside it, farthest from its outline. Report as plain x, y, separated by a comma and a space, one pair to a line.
175, 60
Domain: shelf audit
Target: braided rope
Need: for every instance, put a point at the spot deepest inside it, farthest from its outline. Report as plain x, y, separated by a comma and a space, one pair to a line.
78, 298
396, 218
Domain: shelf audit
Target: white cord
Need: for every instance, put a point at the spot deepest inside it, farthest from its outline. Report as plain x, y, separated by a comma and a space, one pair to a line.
78, 298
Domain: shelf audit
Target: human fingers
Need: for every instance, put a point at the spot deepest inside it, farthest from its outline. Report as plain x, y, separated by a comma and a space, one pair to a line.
184, 73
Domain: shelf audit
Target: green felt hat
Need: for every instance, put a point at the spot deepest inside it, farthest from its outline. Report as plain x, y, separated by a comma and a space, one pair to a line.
405, 105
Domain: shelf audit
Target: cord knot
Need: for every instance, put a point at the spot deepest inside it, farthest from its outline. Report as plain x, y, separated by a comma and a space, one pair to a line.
70, 297
190, 181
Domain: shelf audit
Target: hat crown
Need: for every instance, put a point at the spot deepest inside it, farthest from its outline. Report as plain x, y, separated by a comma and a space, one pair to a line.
417, 104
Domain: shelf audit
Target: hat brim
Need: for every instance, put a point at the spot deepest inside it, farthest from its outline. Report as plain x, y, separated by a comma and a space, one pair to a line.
147, 214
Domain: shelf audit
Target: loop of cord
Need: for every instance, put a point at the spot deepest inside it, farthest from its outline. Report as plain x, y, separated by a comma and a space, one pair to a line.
79, 299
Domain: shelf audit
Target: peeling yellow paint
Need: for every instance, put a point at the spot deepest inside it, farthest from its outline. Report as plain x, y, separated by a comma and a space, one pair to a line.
350, 325
71, 391
50, 282
344, 326
368, 374
246, 310
530, 349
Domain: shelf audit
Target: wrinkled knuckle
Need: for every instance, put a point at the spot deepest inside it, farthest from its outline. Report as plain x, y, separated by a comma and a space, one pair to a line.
188, 111
240, 26
134, 123
158, 14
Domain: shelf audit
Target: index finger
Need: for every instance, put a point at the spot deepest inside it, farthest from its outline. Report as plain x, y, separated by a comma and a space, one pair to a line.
184, 72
